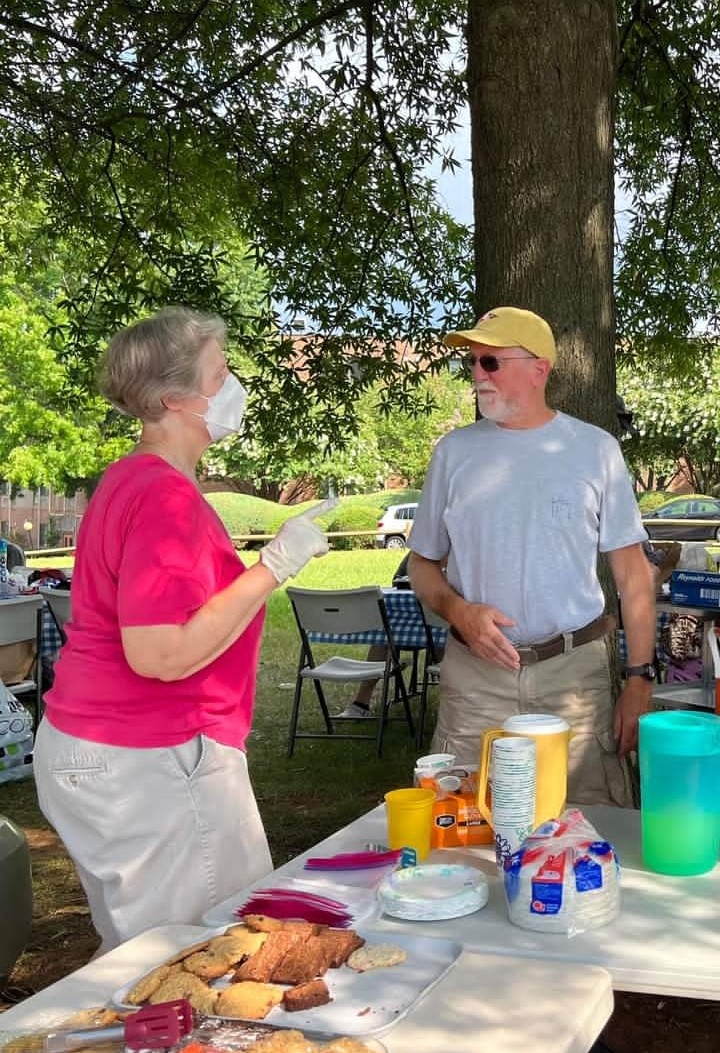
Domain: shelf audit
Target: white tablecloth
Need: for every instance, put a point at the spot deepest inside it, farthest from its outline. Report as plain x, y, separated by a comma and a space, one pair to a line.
665, 941
483, 1004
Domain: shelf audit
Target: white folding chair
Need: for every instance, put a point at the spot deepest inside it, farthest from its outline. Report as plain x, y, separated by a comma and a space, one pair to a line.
340, 612
431, 671
20, 667
58, 601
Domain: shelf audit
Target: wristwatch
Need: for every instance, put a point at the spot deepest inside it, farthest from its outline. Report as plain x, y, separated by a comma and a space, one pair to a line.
647, 671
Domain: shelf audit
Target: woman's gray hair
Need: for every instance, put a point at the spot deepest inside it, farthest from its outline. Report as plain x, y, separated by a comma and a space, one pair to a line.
155, 359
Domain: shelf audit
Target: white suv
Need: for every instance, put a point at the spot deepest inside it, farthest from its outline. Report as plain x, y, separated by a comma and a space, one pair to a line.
394, 527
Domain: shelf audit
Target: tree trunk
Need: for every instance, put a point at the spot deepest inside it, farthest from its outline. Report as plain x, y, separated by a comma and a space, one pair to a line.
541, 76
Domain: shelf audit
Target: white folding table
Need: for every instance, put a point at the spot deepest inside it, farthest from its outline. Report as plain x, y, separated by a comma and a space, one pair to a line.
483, 1003
666, 939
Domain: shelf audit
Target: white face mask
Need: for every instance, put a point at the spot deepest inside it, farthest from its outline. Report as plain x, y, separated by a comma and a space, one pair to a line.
225, 409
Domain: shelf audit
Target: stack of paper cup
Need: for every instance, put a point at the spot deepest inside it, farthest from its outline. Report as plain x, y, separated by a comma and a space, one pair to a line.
512, 773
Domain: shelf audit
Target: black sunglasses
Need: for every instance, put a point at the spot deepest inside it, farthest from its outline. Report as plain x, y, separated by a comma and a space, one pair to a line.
491, 363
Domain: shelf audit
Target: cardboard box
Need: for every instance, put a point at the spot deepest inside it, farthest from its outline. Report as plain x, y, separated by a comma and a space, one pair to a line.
712, 558
695, 588
457, 821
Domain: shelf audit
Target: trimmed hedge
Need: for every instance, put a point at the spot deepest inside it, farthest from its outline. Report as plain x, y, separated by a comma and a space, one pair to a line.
244, 515
356, 517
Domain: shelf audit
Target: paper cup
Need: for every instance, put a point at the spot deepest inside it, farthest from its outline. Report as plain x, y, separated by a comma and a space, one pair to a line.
435, 762
513, 769
409, 819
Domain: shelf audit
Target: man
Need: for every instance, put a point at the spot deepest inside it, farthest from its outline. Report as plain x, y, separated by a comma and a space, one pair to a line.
519, 504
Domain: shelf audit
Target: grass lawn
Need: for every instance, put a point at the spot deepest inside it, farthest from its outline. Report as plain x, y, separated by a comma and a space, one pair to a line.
323, 787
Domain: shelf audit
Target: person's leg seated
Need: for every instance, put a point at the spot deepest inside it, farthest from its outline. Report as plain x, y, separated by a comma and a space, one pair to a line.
359, 708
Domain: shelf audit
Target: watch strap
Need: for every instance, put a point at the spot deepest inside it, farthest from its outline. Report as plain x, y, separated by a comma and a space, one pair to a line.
646, 671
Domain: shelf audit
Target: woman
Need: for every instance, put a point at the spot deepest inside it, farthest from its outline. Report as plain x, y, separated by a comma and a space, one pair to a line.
139, 760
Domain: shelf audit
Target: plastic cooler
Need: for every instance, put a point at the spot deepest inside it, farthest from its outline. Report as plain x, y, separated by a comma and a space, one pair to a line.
16, 898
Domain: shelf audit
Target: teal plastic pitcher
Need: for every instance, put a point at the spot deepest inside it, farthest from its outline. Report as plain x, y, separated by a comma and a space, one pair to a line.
679, 754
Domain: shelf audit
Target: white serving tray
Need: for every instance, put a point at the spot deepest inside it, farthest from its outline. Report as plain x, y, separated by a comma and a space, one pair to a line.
362, 1003
361, 902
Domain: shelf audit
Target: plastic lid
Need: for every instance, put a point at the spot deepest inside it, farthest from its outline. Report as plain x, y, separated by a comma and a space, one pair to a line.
680, 732
535, 724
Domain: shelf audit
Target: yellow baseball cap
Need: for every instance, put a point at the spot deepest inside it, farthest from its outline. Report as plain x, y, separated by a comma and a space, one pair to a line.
509, 327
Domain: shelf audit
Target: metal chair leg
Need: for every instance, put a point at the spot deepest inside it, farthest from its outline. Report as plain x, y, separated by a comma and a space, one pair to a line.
294, 717
422, 711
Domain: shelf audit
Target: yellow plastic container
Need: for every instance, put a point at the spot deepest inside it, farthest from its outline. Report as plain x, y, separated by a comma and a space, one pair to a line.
552, 737
409, 818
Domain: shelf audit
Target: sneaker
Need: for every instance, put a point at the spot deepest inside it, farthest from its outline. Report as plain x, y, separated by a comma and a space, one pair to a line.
354, 712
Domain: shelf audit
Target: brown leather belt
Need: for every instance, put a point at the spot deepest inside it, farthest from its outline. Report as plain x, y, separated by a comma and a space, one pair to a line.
530, 654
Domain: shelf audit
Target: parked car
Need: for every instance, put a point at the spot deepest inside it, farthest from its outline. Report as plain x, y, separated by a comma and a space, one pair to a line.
395, 525
680, 509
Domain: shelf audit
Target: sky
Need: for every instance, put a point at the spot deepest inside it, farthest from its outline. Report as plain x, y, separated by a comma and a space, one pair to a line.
455, 188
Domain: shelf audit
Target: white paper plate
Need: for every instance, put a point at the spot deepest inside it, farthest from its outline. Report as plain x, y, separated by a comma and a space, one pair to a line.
362, 1003
433, 892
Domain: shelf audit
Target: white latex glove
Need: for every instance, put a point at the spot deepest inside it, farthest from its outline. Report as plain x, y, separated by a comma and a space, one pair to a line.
297, 541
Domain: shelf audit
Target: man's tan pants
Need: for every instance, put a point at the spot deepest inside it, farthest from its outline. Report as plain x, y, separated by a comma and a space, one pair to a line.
476, 695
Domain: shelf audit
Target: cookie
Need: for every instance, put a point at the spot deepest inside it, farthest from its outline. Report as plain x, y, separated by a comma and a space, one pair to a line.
98, 1016
209, 965
244, 942
288, 1042
248, 999
182, 984
141, 991
262, 923
345, 1045
377, 956
193, 948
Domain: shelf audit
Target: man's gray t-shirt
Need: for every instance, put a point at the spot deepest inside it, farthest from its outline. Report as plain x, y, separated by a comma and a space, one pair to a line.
521, 515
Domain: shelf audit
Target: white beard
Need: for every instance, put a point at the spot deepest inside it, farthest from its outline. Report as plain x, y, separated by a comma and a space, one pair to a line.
495, 408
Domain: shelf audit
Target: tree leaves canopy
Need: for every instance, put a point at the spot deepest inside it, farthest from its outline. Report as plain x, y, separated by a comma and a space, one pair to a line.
159, 138
158, 133
668, 279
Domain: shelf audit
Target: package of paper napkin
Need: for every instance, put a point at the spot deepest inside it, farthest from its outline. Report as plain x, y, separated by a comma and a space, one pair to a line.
563, 878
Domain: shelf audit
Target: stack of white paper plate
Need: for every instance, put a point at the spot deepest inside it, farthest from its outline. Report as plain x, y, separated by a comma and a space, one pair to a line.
434, 892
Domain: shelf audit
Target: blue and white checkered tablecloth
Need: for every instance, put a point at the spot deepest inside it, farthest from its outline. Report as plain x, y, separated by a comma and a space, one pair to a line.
50, 640
405, 621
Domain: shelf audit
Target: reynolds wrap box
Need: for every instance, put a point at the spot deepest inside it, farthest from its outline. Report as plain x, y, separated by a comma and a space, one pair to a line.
695, 588
457, 822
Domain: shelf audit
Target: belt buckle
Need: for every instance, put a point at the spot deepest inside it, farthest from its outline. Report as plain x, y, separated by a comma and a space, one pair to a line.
528, 655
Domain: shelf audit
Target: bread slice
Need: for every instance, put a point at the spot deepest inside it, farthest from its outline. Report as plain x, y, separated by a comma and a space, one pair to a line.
304, 961
306, 996
261, 965
341, 943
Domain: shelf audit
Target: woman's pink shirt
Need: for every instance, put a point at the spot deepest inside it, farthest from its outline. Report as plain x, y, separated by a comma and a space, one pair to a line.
150, 551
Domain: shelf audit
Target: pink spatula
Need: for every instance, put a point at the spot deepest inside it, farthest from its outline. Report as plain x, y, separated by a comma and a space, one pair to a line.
152, 1027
